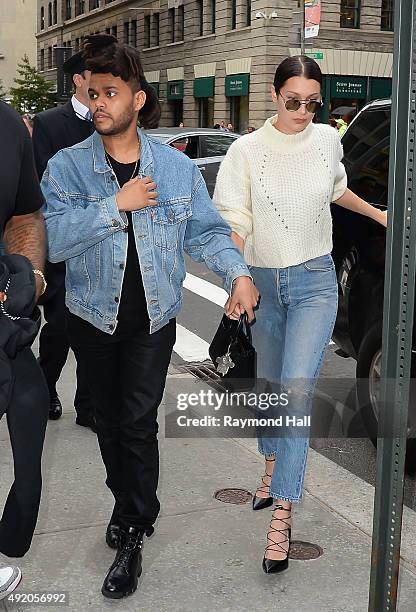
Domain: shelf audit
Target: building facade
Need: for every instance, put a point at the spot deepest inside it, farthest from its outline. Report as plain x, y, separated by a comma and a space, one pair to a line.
214, 60
17, 36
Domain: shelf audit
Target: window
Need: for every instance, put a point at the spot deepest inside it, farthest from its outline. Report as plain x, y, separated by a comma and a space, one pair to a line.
76, 45
114, 31
42, 59
200, 7
181, 23
156, 30
94, 4
387, 15
55, 12
248, 12
42, 18
108, 31
126, 33
49, 57
50, 14
68, 9
79, 7
188, 145
367, 131
216, 145
213, 16
133, 33
350, 13
147, 32
233, 14
171, 21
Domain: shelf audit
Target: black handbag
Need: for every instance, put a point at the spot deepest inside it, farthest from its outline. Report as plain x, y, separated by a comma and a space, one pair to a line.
233, 354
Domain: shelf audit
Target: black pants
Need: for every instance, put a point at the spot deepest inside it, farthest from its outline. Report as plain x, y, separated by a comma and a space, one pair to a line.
27, 414
54, 348
126, 377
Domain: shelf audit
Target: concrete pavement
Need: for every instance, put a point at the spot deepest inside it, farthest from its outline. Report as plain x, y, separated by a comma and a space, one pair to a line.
205, 555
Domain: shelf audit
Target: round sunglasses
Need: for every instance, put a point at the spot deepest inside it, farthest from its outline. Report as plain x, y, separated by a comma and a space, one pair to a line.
293, 104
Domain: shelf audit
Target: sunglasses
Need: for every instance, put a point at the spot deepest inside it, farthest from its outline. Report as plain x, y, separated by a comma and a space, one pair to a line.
293, 104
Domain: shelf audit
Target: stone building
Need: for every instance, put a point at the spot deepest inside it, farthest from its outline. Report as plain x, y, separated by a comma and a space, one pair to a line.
213, 60
17, 36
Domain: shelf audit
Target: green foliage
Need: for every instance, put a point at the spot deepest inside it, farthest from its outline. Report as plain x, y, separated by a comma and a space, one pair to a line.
32, 93
2, 91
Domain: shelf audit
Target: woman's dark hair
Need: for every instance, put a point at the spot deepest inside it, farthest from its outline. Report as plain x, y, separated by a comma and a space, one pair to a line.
297, 65
104, 54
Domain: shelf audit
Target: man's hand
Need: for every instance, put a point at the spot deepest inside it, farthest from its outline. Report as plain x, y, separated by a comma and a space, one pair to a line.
3, 297
244, 298
137, 193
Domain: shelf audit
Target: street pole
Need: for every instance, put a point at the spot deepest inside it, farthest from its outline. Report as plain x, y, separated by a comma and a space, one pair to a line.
399, 294
302, 26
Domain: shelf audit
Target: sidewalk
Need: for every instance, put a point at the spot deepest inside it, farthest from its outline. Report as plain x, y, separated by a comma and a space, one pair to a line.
205, 555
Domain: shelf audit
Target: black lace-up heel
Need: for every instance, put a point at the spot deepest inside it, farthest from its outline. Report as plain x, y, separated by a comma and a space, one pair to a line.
263, 502
273, 566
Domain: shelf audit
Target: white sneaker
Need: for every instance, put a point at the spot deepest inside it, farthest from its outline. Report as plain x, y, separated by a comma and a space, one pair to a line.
10, 578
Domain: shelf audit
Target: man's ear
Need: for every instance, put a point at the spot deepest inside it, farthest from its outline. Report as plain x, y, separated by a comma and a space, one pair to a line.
140, 100
77, 80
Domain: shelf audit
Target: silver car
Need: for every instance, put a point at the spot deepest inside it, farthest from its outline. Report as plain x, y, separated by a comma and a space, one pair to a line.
207, 147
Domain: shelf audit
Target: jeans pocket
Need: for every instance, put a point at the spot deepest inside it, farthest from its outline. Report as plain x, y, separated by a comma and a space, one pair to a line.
324, 263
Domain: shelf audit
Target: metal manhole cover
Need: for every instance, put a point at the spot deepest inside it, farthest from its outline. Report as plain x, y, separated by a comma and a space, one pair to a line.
304, 551
233, 496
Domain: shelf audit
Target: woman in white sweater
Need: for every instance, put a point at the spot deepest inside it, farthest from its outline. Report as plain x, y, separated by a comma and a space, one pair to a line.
274, 188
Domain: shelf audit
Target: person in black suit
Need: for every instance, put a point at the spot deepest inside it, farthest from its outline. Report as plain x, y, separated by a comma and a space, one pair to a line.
53, 130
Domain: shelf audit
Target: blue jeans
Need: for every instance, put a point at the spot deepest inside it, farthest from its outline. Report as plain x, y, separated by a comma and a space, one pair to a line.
293, 327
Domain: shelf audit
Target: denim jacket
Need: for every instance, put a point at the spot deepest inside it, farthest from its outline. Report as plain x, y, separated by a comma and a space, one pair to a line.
87, 231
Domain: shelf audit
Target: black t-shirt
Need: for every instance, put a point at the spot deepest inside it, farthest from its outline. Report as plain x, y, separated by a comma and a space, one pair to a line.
132, 311
20, 192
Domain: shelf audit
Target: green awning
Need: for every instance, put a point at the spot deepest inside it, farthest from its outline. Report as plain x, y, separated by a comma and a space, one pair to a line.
380, 88
175, 90
204, 87
237, 85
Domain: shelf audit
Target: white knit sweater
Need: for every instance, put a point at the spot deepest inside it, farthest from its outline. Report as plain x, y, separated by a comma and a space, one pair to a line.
275, 191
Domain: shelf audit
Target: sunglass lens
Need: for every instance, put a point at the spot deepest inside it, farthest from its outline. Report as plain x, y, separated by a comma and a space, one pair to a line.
313, 106
292, 105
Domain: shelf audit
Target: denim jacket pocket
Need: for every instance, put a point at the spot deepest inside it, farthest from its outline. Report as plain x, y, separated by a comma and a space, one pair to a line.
324, 263
169, 223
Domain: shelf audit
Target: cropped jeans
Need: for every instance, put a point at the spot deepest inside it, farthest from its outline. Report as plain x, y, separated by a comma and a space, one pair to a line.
293, 327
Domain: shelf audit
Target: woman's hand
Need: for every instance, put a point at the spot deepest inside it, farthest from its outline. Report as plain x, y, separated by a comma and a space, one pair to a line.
244, 298
382, 217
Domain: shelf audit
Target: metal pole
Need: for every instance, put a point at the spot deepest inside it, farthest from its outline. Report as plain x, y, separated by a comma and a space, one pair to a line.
399, 294
302, 27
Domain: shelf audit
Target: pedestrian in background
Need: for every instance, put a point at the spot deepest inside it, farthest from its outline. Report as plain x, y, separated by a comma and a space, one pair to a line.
223, 128
230, 127
23, 392
55, 129
124, 245
274, 188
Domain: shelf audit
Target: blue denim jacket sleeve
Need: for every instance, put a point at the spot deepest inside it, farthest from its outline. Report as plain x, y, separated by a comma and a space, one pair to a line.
208, 237
74, 226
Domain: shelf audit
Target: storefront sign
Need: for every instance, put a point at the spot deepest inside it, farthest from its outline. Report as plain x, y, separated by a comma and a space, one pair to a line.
348, 87
237, 85
317, 55
204, 87
175, 90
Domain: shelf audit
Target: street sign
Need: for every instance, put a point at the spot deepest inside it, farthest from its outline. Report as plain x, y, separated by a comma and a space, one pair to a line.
316, 55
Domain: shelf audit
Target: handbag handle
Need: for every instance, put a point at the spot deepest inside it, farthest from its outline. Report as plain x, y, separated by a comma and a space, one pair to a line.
243, 321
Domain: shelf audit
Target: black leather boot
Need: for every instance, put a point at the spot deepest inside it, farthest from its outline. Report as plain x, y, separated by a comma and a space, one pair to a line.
55, 407
113, 534
123, 575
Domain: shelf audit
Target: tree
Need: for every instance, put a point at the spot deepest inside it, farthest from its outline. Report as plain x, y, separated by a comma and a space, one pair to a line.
33, 93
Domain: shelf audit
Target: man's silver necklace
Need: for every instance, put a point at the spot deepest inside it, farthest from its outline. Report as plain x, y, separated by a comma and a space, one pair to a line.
111, 165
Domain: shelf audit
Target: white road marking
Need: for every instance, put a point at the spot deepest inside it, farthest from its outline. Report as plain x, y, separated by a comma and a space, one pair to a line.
205, 289
189, 346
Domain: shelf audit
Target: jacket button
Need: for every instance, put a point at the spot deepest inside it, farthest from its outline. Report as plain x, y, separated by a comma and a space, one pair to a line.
113, 178
116, 299
121, 266
115, 223
111, 327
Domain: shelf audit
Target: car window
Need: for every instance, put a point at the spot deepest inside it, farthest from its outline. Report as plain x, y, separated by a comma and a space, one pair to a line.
367, 131
216, 145
369, 178
188, 145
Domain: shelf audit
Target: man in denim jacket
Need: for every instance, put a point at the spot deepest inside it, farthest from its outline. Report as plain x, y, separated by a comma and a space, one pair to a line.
123, 243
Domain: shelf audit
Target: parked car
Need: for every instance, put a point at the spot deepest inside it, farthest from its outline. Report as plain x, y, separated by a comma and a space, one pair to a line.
359, 256
207, 147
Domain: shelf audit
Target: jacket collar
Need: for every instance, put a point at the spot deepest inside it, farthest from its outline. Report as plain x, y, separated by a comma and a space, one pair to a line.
100, 162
